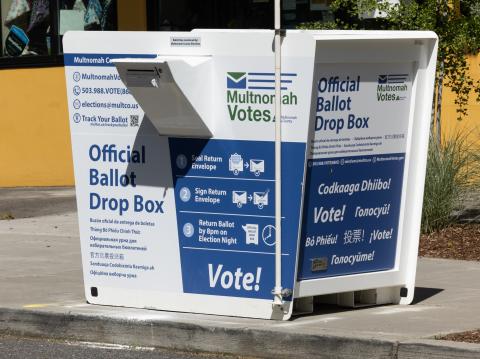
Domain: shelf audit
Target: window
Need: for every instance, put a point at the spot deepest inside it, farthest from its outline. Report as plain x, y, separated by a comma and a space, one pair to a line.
87, 15
32, 30
184, 15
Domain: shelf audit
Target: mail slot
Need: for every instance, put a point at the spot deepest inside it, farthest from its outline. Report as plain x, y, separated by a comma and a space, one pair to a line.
186, 121
169, 89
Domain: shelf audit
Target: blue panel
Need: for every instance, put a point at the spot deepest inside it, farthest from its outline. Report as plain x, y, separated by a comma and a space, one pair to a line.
100, 59
225, 200
351, 215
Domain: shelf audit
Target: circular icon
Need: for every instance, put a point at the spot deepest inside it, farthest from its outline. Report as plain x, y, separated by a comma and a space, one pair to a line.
185, 194
342, 161
76, 76
77, 90
309, 163
188, 230
77, 118
268, 235
77, 104
182, 161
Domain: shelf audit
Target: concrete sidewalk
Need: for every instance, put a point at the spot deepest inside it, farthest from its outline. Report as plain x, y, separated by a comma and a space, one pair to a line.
33, 201
42, 295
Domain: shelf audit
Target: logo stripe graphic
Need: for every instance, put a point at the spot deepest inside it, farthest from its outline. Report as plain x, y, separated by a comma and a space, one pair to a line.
392, 79
271, 81
269, 74
257, 80
264, 88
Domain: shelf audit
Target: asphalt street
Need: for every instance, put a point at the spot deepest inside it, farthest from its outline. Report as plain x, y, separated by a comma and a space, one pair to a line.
21, 348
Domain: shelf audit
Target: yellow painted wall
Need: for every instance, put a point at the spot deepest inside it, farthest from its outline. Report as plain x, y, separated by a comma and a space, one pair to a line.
469, 125
34, 134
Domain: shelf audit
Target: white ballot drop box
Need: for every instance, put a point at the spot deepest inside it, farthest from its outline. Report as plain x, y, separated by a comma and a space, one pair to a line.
174, 157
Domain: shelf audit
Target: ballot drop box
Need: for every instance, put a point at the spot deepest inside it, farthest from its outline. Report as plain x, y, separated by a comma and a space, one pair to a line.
173, 147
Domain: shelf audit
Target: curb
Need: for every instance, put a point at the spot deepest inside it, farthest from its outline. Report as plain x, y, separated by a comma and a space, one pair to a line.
189, 337
438, 349
216, 339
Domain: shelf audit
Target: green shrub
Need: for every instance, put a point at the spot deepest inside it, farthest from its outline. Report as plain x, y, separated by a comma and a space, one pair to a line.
453, 171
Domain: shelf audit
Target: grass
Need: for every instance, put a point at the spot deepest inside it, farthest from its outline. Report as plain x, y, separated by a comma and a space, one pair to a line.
453, 170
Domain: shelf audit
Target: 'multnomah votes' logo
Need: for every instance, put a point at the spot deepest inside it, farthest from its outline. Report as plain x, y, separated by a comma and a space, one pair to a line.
392, 87
392, 79
237, 80
251, 95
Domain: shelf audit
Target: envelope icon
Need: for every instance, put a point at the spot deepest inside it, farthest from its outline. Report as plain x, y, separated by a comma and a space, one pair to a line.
236, 80
260, 199
257, 166
382, 79
239, 198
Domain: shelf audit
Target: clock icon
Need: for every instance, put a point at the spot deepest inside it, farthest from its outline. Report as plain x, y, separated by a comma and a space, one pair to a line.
268, 235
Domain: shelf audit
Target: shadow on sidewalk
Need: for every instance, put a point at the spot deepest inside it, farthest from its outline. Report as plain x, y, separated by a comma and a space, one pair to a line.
422, 293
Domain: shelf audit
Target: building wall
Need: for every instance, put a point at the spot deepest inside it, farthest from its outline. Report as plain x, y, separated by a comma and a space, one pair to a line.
34, 135
470, 125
